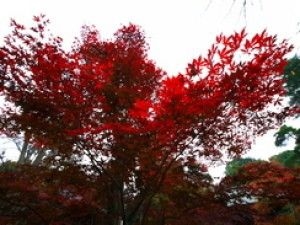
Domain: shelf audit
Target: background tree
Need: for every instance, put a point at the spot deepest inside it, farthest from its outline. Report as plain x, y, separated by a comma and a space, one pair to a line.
272, 188
120, 128
28, 153
290, 158
292, 78
232, 168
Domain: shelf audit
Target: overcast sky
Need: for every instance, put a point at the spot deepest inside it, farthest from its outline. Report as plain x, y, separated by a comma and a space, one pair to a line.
177, 30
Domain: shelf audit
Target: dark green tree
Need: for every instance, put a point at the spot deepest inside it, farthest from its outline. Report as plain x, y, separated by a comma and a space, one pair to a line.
292, 78
285, 133
290, 158
233, 167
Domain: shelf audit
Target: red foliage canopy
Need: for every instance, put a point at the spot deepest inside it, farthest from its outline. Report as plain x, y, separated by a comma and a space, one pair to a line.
105, 102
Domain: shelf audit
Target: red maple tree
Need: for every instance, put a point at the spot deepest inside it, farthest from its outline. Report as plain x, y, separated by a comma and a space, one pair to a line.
117, 128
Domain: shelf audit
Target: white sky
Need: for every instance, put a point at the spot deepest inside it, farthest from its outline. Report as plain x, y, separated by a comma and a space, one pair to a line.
177, 30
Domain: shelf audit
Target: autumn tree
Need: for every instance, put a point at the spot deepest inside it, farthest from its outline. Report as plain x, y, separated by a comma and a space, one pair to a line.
123, 132
271, 188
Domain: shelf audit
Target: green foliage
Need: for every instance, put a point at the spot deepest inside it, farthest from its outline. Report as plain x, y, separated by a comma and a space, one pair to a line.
286, 132
290, 159
287, 209
8, 166
233, 167
292, 77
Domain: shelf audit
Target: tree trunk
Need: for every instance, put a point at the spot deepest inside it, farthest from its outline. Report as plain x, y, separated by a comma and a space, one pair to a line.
22, 157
